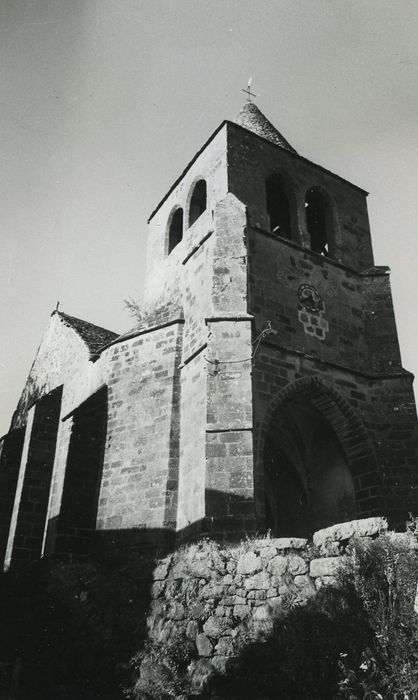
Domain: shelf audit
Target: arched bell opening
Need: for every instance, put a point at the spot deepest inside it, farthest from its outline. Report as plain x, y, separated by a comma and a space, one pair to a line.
281, 207
308, 483
319, 221
198, 201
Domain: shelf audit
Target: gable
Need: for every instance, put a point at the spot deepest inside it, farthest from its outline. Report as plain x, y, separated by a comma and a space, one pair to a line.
62, 358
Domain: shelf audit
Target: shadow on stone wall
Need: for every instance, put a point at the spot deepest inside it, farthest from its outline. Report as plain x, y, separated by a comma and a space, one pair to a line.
299, 654
76, 625
77, 622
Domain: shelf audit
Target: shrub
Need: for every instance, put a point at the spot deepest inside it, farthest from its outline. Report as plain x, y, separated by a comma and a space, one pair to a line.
163, 670
383, 576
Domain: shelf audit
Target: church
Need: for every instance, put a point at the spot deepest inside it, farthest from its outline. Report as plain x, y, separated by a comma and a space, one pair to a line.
262, 389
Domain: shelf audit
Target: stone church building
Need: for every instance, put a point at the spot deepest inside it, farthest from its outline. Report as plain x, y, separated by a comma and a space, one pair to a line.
262, 389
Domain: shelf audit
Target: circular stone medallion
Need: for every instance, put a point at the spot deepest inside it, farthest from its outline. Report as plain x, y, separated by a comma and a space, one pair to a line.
310, 298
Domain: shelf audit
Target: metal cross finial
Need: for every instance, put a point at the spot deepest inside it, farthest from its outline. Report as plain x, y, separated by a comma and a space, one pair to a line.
57, 306
248, 90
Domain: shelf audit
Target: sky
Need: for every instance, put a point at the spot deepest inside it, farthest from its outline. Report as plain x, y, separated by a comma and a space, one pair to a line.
103, 103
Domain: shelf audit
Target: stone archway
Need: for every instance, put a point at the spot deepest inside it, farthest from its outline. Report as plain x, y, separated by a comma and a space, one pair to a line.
314, 455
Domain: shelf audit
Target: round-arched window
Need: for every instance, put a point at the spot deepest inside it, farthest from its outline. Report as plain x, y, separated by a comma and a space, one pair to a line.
198, 201
175, 233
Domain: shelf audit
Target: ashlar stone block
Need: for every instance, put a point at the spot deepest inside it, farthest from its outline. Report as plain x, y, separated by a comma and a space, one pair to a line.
327, 566
366, 527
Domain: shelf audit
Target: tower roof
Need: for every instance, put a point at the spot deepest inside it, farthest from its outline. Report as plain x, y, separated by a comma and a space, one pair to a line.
252, 119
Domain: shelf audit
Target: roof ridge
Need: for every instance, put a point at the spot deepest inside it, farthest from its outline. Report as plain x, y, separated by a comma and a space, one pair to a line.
82, 320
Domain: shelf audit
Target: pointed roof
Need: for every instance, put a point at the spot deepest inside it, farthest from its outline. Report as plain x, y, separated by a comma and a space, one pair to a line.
93, 336
251, 118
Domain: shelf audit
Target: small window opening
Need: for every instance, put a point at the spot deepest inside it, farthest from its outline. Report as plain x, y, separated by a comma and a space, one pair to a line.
316, 209
278, 208
176, 229
198, 201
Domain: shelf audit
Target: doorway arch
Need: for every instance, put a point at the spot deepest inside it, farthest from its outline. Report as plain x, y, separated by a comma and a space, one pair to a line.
314, 456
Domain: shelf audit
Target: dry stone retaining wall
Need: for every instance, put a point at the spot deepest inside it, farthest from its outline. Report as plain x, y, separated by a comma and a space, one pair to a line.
216, 595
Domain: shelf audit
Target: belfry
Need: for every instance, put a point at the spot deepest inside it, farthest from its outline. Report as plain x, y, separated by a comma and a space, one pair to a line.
262, 389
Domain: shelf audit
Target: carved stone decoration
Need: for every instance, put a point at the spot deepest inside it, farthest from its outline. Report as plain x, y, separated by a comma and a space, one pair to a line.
310, 298
311, 312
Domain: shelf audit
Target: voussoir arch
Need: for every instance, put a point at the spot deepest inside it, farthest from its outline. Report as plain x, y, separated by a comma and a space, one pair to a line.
342, 419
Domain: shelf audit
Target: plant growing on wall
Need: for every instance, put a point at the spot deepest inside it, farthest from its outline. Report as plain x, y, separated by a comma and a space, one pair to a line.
383, 576
133, 308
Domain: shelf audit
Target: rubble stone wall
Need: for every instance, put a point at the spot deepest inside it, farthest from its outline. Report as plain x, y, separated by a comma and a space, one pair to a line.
213, 595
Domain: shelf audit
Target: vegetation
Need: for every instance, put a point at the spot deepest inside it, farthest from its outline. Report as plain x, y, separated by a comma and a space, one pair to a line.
357, 640
163, 670
133, 308
382, 576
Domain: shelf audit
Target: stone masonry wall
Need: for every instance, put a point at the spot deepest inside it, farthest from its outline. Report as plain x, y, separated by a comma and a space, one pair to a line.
349, 346
252, 159
213, 595
191, 495
142, 444
340, 330
210, 164
379, 317
216, 466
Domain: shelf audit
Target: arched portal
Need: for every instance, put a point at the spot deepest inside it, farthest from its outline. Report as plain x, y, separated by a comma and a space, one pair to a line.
315, 459
308, 483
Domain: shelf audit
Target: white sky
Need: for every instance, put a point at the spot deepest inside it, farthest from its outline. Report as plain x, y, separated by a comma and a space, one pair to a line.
103, 103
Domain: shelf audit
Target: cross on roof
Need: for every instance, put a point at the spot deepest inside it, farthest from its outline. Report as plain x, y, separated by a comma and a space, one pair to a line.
248, 91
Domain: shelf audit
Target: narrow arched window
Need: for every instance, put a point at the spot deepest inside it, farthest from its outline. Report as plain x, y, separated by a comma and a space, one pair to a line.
278, 207
198, 201
175, 233
317, 217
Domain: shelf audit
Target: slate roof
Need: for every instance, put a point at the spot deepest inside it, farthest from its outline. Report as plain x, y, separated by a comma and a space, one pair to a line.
252, 119
93, 336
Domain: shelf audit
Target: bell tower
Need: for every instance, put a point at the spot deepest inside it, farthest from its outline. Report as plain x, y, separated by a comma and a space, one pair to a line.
296, 412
